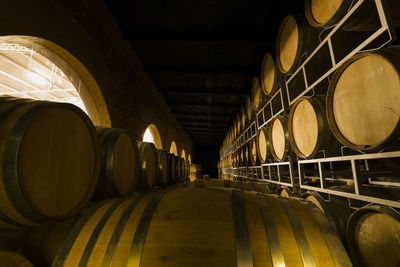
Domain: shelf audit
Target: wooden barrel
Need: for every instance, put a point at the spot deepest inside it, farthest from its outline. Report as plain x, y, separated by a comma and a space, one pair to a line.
164, 167
373, 237
249, 109
309, 130
50, 161
253, 151
243, 118
148, 157
13, 259
173, 167
179, 227
321, 13
363, 100
295, 37
256, 97
278, 135
269, 75
119, 163
238, 124
262, 144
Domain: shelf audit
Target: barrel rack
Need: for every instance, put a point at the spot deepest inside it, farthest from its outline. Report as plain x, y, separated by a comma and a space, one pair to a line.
304, 82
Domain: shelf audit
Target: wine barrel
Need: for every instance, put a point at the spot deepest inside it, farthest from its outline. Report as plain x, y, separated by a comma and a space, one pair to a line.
373, 237
256, 97
179, 227
163, 167
119, 163
243, 118
309, 130
149, 177
269, 75
50, 161
249, 109
278, 135
253, 151
321, 13
238, 124
13, 259
173, 167
363, 100
262, 144
295, 37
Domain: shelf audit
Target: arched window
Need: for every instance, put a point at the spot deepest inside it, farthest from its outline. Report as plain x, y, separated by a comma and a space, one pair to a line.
35, 68
183, 154
173, 149
153, 136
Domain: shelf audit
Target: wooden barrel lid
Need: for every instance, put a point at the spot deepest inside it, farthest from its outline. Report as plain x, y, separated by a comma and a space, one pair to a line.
163, 166
304, 127
268, 74
253, 151
287, 44
249, 108
262, 145
255, 93
238, 123
12, 259
58, 157
366, 100
376, 240
149, 163
120, 162
278, 139
243, 117
319, 12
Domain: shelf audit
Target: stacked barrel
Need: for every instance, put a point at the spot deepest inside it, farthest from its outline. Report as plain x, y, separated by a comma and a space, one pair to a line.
357, 108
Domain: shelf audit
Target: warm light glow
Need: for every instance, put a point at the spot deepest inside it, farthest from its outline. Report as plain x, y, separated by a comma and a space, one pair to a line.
36, 78
173, 149
148, 136
25, 73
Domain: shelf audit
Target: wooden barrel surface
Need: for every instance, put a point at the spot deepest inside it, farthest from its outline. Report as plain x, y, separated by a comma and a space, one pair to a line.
269, 75
13, 259
173, 167
163, 167
149, 166
50, 161
179, 227
278, 139
372, 237
243, 118
262, 144
321, 13
119, 163
249, 108
363, 101
256, 97
253, 151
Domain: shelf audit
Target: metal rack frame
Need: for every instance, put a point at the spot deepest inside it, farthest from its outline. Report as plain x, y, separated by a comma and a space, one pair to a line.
297, 171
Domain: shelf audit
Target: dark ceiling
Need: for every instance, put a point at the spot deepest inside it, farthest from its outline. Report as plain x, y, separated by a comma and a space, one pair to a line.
202, 54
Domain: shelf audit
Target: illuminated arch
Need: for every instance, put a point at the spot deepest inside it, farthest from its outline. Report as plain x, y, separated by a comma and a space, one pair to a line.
173, 149
189, 158
78, 75
183, 154
152, 135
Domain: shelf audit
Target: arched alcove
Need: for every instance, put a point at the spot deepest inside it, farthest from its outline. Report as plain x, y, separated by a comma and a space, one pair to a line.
152, 135
189, 158
183, 154
173, 149
36, 68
